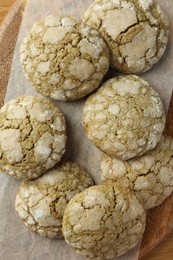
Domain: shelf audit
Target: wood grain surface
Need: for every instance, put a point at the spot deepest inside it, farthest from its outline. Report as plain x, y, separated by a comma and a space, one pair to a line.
4, 7
163, 251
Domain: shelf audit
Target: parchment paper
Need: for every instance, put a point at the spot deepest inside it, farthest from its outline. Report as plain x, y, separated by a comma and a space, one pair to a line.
16, 241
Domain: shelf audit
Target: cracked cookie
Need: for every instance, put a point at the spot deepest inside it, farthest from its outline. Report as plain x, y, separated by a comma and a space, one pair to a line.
103, 221
41, 203
32, 136
136, 32
64, 58
124, 118
150, 176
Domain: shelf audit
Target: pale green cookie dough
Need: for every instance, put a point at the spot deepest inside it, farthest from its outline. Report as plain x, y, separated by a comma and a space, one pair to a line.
125, 117
64, 58
32, 136
41, 203
150, 176
136, 32
103, 222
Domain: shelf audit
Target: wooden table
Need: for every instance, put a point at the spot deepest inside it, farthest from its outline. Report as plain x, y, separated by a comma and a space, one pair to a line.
165, 250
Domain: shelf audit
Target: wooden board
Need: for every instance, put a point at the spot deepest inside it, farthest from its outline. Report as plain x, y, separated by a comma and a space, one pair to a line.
160, 220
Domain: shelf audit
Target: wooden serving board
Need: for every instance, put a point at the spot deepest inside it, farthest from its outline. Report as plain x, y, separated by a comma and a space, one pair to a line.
160, 219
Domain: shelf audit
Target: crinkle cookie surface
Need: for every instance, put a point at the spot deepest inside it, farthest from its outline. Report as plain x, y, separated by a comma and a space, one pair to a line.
136, 32
41, 203
103, 222
32, 136
124, 118
150, 176
64, 58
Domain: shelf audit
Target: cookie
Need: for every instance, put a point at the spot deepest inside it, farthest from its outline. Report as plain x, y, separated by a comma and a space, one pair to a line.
150, 176
124, 118
64, 58
32, 136
103, 222
136, 32
41, 203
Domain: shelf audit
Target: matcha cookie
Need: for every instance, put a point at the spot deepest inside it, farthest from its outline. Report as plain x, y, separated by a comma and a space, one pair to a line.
41, 203
64, 58
124, 118
136, 32
103, 222
150, 176
32, 136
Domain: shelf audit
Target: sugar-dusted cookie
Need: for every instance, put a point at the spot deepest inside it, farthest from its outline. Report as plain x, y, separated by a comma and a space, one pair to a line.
103, 222
125, 117
32, 136
64, 58
41, 203
150, 176
136, 32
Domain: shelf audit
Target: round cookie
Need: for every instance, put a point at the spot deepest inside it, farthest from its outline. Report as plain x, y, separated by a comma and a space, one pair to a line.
41, 203
64, 58
32, 136
124, 118
136, 32
103, 222
150, 176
